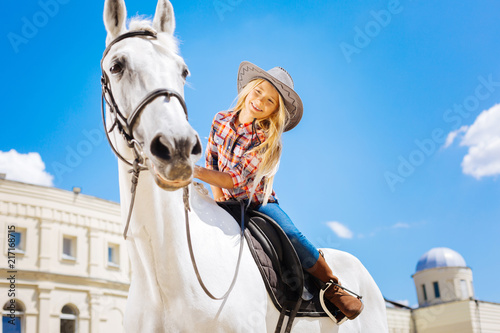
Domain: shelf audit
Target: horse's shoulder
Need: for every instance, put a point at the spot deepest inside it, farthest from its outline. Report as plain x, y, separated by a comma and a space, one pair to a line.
341, 257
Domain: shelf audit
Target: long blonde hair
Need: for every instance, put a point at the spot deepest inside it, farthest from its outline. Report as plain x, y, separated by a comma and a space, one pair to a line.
270, 150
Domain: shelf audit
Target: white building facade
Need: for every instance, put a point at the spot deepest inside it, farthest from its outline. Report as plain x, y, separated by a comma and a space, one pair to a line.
64, 265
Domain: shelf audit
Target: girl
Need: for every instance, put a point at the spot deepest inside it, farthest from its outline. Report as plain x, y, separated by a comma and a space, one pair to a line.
242, 157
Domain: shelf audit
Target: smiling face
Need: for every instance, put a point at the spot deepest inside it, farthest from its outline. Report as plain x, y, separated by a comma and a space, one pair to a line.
260, 103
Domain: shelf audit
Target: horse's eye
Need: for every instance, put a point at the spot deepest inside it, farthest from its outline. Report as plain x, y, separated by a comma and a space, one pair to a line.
185, 73
116, 68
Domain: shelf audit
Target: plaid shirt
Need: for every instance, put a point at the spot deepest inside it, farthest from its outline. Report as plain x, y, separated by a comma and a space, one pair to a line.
228, 151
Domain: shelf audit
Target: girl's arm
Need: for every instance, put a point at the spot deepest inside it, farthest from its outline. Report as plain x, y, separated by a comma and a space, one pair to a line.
218, 194
214, 178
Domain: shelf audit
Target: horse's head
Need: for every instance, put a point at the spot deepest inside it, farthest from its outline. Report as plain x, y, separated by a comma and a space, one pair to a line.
143, 83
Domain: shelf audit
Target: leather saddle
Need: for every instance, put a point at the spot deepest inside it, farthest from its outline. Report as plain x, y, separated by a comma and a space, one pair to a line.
293, 291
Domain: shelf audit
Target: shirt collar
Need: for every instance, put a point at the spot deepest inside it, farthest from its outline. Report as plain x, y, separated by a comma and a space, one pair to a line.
246, 128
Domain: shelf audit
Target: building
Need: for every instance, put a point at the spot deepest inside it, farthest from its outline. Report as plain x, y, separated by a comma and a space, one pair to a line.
446, 302
64, 265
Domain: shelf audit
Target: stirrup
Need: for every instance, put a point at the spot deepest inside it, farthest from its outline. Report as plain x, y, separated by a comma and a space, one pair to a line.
330, 309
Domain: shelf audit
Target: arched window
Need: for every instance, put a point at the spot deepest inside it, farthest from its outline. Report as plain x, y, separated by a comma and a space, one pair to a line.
69, 319
13, 316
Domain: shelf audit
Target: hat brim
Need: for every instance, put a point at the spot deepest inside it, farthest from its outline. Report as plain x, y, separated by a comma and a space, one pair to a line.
248, 72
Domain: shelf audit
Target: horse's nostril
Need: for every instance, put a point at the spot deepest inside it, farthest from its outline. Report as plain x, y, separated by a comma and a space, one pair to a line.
159, 149
197, 147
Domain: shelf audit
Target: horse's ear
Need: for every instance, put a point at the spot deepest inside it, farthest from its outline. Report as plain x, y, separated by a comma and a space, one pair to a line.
164, 20
115, 15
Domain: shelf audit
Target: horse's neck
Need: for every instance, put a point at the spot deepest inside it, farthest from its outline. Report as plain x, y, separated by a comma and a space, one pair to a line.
156, 232
158, 248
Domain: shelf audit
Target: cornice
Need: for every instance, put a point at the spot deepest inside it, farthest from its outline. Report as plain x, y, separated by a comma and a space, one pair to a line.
52, 204
34, 278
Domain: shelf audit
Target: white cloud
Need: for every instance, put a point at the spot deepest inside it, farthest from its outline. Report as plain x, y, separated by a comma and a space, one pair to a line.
340, 230
26, 168
483, 140
452, 135
401, 225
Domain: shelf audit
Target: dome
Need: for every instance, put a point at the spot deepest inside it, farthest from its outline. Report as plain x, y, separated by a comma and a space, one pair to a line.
440, 257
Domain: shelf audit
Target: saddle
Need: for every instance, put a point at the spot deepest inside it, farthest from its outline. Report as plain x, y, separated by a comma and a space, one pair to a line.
293, 291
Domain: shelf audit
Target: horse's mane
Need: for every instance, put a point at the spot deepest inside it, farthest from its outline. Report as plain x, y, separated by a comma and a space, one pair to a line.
143, 23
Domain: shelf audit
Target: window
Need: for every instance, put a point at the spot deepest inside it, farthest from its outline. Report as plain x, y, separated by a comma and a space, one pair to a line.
436, 289
12, 317
69, 248
463, 288
425, 292
113, 255
69, 318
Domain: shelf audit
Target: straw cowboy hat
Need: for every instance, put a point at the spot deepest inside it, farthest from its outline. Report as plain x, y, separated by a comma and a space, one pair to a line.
282, 81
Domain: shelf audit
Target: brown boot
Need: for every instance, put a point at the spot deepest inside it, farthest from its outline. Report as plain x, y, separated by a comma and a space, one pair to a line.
349, 305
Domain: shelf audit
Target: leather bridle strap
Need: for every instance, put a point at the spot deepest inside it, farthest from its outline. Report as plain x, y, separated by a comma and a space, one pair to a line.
131, 120
145, 33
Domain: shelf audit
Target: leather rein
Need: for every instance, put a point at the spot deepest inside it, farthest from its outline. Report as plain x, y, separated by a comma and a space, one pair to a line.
125, 126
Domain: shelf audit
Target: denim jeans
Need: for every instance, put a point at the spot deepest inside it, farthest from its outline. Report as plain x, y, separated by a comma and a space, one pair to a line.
308, 254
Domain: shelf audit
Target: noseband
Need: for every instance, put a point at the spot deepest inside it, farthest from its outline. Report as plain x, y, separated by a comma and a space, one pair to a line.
126, 125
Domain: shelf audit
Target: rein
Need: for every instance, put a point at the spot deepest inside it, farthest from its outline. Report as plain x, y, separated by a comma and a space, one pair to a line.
191, 253
125, 126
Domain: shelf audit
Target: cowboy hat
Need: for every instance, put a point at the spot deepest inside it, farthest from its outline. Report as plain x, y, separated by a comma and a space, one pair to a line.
282, 81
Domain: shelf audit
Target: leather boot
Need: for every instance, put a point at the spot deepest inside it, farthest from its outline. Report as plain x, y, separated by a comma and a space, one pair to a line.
349, 305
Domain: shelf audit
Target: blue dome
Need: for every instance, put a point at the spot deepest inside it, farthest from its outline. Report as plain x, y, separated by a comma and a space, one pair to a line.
440, 257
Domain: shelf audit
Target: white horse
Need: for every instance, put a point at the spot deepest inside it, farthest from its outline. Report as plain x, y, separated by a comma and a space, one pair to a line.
165, 295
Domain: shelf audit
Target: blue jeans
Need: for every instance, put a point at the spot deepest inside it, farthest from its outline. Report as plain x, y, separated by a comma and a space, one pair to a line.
308, 254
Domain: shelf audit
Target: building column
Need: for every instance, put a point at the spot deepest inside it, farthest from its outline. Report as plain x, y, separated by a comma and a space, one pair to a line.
95, 310
95, 253
44, 307
46, 243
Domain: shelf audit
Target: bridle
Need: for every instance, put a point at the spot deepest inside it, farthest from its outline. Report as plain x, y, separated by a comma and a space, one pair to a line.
125, 126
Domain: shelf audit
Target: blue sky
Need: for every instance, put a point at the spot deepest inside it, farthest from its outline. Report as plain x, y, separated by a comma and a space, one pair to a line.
372, 168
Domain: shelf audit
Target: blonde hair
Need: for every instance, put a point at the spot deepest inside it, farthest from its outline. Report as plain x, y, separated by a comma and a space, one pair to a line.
270, 150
